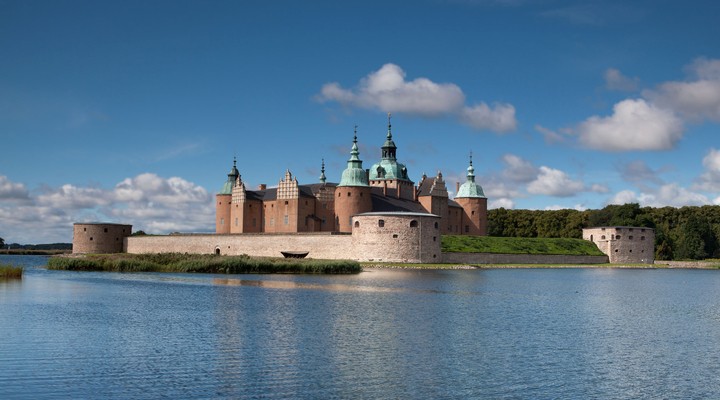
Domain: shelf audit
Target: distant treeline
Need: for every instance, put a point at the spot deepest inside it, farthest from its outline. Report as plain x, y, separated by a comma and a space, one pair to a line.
47, 246
686, 233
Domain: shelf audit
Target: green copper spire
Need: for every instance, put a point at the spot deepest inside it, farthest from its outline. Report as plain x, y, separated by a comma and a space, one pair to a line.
389, 149
232, 177
322, 172
354, 174
388, 168
470, 188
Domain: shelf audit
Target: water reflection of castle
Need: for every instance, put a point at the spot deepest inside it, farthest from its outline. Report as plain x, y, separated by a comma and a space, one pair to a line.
329, 207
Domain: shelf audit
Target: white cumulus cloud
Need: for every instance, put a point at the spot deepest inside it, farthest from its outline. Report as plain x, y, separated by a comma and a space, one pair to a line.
634, 125
10, 190
698, 97
710, 179
388, 90
553, 182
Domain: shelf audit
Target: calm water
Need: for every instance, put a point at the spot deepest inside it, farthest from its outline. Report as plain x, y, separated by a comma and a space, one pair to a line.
532, 334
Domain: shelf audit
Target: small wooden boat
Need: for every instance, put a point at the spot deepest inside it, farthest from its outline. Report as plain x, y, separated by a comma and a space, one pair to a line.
294, 254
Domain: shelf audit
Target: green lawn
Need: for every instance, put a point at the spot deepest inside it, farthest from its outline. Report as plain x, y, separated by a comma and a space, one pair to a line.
512, 245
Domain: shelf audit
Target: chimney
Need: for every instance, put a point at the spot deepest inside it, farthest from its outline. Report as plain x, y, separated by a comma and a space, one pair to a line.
457, 187
262, 186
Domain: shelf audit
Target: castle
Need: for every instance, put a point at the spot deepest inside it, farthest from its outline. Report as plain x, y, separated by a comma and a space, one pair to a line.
375, 214
330, 207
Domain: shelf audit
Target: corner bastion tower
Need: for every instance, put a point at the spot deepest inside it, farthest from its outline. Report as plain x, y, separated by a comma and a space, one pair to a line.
471, 198
352, 194
223, 199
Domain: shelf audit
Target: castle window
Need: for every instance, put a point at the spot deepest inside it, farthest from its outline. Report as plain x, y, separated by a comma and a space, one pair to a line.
305, 202
602, 229
591, 238
217, 251
631, 250
91, 238
395, 236
105, 230
357, 224
434, 238
360, 194
602, 237
616, 250
630, 237
472, 212
642, 237
631, 229
467, 228
236, 222
286, 203
349, 194
436, 225
84, 229
617, 237
249, 205
222, 221
286, 219
642, 230
381, 223
413, 224
339, 194
323, 221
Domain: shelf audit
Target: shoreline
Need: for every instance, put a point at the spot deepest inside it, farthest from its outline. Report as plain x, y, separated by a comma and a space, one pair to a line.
705, 265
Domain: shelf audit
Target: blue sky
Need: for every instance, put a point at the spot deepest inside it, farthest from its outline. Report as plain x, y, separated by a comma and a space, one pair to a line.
132, 111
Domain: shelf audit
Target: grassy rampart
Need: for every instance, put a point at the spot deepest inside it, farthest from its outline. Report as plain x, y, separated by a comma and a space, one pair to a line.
8, 271
513, 245
176, 262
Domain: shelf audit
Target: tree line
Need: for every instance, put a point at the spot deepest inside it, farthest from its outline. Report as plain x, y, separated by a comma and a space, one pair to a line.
686, 233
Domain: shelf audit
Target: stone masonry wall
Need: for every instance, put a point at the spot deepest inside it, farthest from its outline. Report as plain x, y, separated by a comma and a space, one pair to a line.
320, 245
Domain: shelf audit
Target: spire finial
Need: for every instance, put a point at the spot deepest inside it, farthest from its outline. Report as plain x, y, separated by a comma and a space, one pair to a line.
470, 157
322, 172
389, 135
355, 134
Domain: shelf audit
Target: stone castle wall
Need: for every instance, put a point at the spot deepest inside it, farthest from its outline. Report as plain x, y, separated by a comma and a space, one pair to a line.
400, 237
624, 244
99, 238
318, 245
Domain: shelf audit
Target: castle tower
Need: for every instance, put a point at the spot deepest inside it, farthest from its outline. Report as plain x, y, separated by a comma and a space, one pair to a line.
471, 198
223, 201
324, 213
433, 196
389, 174
352, 194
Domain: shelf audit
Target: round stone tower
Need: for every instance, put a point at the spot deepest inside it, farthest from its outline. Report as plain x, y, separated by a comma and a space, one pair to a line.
99, 237
352, 194
472, 199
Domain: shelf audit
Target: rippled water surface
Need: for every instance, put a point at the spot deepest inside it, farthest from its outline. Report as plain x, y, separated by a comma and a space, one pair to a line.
529, 333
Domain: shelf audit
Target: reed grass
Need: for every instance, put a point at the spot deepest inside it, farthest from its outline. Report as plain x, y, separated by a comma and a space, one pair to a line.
199, 263
8, 271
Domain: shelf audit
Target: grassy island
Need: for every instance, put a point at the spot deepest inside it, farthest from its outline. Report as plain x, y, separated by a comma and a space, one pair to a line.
8, 271
201, 263
516, 245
